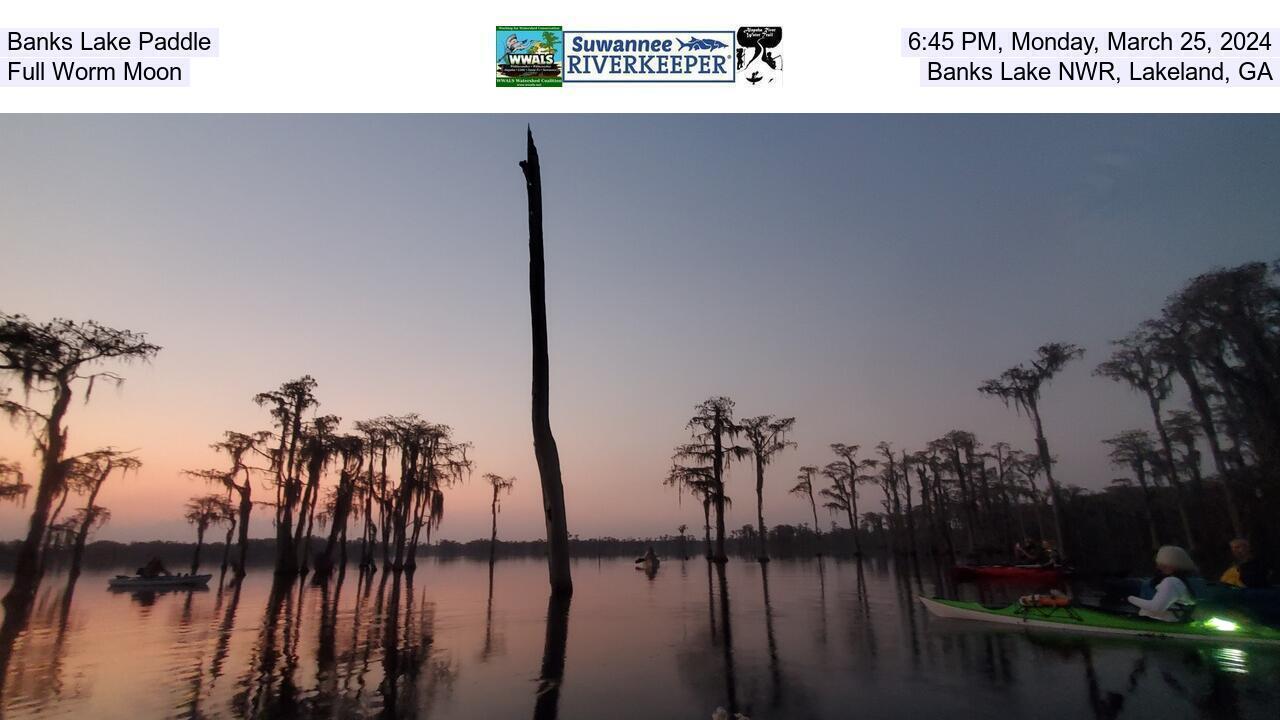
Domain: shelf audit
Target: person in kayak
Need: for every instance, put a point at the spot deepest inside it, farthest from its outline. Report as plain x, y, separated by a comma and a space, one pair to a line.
1173, 599
153, 569
1028, 552
1247, 571
650, 557
1049, 555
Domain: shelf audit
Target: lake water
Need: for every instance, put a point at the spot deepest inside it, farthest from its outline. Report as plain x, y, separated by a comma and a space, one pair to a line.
797, 639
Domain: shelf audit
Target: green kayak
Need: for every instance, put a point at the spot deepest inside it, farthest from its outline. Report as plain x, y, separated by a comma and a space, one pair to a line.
1085, 620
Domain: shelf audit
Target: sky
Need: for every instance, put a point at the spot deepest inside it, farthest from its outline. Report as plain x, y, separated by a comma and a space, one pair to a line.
861, 273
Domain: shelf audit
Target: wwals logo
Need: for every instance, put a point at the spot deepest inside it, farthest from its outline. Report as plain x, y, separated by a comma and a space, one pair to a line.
529, 55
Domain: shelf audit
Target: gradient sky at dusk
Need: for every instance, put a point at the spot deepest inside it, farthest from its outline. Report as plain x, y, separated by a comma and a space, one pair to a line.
861, 273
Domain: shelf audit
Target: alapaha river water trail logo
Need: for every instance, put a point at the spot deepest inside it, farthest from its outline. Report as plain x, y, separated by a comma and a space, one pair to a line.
759, 56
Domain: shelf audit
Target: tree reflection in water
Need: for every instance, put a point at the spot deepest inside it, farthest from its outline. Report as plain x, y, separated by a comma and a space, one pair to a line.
775, 670
726, 641
493, 644
861, 624
822, 632
414, 674
547, 701
326, 692
223, 643
260, 691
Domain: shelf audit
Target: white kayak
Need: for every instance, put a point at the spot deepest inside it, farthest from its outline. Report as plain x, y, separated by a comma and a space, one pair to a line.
134, 582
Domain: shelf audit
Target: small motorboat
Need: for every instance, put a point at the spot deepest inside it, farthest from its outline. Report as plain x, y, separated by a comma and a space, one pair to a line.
137, 582
1012, 573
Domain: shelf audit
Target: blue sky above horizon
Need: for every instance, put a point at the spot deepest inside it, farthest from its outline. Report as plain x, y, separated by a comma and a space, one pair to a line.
862, 273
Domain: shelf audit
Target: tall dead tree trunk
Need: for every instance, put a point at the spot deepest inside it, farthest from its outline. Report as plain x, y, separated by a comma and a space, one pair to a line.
544, 443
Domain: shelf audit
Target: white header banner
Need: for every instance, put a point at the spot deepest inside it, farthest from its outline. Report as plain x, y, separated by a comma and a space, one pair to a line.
579, 56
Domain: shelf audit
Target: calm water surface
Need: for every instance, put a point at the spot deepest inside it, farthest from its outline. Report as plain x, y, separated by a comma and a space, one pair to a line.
798, 639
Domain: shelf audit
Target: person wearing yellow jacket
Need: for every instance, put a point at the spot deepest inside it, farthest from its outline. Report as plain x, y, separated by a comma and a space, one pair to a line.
1247, 571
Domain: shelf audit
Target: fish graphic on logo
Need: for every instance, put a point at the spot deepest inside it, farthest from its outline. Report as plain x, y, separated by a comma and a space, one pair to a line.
701, 44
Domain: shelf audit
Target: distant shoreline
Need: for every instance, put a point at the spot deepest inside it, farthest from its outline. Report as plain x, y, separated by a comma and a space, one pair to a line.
177, 555
784, 541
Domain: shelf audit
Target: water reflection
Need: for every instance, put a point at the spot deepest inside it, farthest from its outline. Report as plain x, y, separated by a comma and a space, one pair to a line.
861, 626
907, 601
547, 703
726, 641
775, 671
493, 644
222, 645
1106, 705
260, 689
821, 629
462, 639
327, 646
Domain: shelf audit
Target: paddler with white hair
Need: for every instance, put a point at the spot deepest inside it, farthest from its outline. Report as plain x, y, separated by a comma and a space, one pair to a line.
1173, 599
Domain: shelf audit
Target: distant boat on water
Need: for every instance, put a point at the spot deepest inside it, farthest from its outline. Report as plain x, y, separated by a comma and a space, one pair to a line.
135, 582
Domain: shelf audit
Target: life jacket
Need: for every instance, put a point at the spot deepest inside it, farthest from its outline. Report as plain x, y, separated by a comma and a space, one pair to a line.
1231, 576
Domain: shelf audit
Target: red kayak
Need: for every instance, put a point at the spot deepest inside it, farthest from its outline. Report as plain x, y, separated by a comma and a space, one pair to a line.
1023, 573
